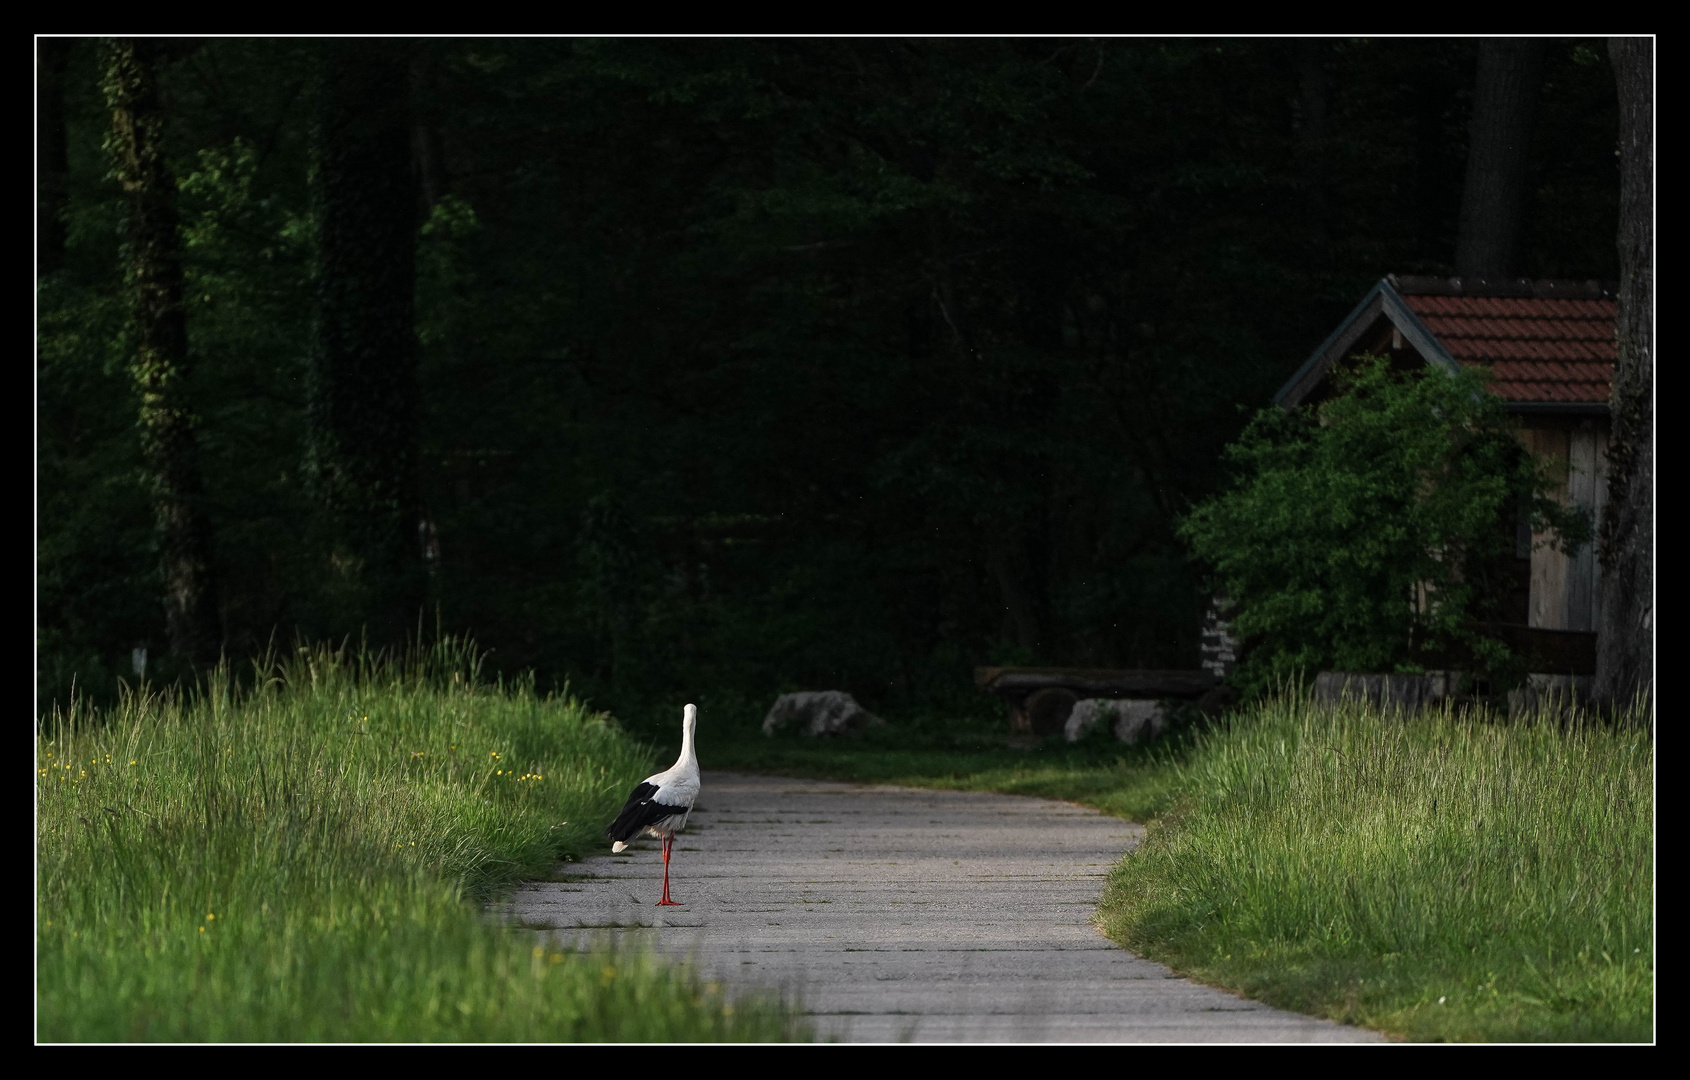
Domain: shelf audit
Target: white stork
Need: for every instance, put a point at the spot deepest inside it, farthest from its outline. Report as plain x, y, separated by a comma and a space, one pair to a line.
660, 804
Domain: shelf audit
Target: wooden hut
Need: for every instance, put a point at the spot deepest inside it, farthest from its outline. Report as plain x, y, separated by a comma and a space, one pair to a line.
1550, 348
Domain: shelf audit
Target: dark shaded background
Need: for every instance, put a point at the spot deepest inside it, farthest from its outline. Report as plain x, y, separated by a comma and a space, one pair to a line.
775, 364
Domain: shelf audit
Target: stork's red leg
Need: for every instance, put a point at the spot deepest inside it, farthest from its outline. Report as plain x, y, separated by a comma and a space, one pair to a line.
668, 842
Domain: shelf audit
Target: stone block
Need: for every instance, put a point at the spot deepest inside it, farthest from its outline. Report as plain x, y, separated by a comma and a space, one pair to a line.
819, 713
1555, 696
1133, 720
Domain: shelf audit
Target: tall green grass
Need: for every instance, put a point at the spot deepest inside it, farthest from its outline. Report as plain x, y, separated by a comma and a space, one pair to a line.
305, 859
1435, 877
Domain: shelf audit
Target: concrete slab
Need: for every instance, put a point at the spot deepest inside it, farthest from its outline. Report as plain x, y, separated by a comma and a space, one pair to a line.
895, 914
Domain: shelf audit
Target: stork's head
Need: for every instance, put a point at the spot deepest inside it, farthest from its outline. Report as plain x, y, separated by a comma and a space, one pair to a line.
689, 716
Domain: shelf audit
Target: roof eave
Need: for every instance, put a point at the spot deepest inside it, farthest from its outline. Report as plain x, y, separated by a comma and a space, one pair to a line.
1557, 408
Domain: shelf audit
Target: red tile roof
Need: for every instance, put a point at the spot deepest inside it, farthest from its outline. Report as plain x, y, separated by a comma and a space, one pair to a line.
1548, 350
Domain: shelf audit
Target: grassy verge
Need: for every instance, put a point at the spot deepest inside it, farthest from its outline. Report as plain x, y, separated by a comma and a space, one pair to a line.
1440, 879
304, 861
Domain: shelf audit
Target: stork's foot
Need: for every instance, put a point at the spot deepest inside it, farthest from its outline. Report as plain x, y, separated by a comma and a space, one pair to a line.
666, 902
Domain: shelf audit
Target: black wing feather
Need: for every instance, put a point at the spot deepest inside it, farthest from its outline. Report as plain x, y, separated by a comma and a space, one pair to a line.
640, 810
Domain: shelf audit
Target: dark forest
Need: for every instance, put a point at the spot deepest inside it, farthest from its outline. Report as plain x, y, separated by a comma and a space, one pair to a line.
721, 365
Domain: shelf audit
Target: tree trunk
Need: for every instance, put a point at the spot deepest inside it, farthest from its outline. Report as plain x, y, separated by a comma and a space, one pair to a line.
52, 153
1493, 202
1625, 644
160, 366
426, 143
362, 412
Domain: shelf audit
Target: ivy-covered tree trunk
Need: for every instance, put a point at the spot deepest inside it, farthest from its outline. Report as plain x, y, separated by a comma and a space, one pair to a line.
160, 363
1625, 644
362, 413
1493, 200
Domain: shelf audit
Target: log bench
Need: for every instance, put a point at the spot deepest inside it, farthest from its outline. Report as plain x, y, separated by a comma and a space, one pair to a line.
1040, 698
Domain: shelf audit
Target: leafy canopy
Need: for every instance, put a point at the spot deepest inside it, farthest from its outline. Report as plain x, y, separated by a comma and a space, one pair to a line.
1376, 530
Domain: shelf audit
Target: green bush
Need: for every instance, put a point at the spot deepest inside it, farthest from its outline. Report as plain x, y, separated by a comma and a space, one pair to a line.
1376, 531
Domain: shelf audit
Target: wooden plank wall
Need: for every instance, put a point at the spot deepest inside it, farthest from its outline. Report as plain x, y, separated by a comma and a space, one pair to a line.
1587, 486
1548, 607
1566, 593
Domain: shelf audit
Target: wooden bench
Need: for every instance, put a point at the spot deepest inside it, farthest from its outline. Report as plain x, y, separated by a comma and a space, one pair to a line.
1040, 698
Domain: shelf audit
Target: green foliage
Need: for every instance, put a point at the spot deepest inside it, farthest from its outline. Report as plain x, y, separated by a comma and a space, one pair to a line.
1436, 877
1375, 531
96, 556
303, 860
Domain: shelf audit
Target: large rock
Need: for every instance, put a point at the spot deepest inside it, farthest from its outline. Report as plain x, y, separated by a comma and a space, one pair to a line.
1133, 720
819, 712
1388, 692
1555, 696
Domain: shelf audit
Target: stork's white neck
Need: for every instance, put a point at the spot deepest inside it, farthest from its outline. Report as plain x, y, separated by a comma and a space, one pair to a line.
689, 722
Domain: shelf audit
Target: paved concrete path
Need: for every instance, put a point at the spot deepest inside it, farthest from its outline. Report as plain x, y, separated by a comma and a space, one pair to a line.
895, 914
